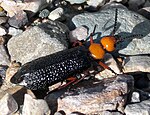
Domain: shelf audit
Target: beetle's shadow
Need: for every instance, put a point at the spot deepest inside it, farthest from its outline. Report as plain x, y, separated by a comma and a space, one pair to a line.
138, 30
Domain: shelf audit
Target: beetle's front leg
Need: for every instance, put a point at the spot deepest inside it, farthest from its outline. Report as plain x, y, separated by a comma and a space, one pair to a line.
106, 67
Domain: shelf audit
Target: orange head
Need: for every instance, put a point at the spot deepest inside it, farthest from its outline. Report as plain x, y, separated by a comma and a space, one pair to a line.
108, 43
96, 51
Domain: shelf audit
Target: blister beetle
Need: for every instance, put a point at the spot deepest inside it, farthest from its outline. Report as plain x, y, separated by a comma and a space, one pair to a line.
48, 70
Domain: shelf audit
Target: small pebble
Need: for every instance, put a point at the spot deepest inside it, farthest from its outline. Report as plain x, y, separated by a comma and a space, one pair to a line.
4, 58
135, 97
55, 14
3, 20
13, 31
19, 20
44, 13
35, 106
80, 33
2, 31
76, 1
8, 105
96, 3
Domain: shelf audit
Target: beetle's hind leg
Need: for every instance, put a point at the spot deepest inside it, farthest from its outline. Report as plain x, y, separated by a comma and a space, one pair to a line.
70, 81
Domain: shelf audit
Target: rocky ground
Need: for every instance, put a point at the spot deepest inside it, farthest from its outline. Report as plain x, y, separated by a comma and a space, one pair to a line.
30, 29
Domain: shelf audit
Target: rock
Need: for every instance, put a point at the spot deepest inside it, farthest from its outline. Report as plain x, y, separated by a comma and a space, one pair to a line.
142, 108
18, 20
2, 31
44, 13
136, 64
35, 106
13, 31
2, 40
38, 41
93, 97
143, 95
4, 59
135, 4
3, 20
8, 105
113, 5
125, 28
122, 1
33, 6
95, 3
145, 12
59, 113
2, 73
76, 1
17, 92
13, 67
80, 33
109, 61
147, 3
56, 14
135, 97
111, 113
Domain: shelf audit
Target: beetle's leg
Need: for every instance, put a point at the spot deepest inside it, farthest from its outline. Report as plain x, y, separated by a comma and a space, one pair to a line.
79, 80
70, 79
106, 67
77, 43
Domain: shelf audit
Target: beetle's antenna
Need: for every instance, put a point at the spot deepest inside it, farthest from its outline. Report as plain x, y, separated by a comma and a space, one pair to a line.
115, 25
93, 30
91, 35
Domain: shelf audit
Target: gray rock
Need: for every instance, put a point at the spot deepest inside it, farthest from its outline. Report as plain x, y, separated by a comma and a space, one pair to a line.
44, 13
147, 3
136, 64
2, 31
111, 5
111, 113
95, 3
57, 13
135, 97
8, 105
2, 73
34, 106
33, 6
122, 1
135, 4
18, 20
76, 1
129, 23
142, 108
4, 59
80, 33
93, 97
3, 19
13, 31
145, 12
38, 41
